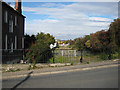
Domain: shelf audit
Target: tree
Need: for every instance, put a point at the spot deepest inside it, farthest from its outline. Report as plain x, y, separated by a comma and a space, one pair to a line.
87, 44
79, 44
41, 49
86, 40
103, 37
101, 42
114, 36
95, 44
72, 44
114, 31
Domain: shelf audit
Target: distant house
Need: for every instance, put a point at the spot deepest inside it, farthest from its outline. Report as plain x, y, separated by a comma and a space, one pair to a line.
62, 42
11, 32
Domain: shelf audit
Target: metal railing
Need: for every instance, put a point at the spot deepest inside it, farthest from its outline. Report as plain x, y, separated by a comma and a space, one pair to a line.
60, 56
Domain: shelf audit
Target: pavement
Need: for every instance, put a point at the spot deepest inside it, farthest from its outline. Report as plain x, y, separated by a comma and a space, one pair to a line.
58, 70
103, 77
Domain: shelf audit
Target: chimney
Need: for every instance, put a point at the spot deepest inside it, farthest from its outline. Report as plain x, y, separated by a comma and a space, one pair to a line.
18, 6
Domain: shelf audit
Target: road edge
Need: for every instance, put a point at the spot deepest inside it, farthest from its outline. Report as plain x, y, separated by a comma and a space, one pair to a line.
62, 71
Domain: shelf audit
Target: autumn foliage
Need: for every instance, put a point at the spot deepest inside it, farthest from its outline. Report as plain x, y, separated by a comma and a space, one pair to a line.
104, 41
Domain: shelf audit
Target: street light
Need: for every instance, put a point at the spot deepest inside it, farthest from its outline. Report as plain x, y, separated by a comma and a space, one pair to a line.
81, 59
53, 48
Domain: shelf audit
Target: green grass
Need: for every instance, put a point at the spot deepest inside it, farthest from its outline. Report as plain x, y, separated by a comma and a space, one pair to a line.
115, 55
11, 70
60, 59
86, 58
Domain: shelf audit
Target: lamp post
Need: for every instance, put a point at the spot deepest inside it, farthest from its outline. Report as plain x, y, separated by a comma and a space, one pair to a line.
81, 57
53, 48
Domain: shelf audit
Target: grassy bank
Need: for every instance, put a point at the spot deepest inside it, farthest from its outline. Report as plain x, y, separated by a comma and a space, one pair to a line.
86, 58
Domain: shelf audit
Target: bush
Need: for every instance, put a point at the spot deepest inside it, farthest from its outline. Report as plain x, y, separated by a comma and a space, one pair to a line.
72, 63
104, 56
115, 56
29, 67
40, 51
18, 69
10, 70
34, 66
88, 62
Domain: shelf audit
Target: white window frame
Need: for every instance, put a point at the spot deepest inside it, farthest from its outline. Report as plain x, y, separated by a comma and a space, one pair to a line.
15, 20
6, 16
11, 47
23, 42
6, 44
10, 25
15, 42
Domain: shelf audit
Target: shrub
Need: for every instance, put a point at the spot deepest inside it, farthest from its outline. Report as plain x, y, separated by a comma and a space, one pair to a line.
115, 56
104, 56
72, 63
88, 62
29, 67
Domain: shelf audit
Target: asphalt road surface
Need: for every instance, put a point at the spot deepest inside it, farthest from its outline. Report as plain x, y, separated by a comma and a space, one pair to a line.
96, 78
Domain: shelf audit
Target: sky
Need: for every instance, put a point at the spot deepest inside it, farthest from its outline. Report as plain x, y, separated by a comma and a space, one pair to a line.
68, 20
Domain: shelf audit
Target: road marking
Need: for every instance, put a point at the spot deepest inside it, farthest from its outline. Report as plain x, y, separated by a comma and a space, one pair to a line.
57, 72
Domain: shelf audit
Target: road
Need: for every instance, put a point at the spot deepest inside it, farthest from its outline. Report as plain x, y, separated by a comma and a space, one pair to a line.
96, 78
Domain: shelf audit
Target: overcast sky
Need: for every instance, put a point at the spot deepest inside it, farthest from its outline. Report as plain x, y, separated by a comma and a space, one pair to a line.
68, 20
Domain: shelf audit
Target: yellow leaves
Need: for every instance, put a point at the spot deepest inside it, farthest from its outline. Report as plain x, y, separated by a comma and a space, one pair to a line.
87, 44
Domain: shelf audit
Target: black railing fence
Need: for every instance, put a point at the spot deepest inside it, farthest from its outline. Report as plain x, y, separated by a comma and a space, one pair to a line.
59, 56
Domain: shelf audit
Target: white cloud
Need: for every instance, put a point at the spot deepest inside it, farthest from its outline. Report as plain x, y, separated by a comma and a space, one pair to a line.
45, 21
99, 19
71, 20
97, 24
81, 8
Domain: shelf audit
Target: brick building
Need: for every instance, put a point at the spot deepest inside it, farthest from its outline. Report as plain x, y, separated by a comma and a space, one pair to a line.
11, 32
